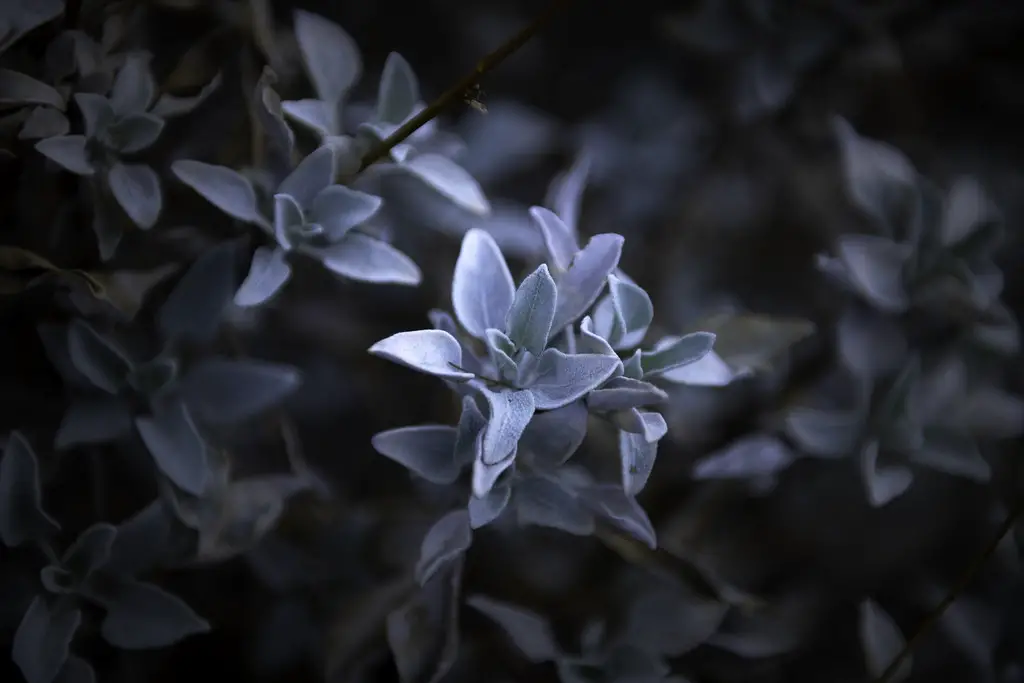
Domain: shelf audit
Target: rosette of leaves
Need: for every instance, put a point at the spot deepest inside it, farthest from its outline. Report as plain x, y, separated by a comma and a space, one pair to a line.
523, 403
334, 65
618, 323
117, 388
928, 309
311, 216
99, 569
116, 127
931, 260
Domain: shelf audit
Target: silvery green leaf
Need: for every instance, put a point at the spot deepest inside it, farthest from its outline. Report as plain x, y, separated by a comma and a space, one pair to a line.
330, 55
709, 371
22, 517
267, 275
18, 89
670, 620
434, 352
952, 453
168, 106
990, 412
220, 390
90, 551
42, 641
442, 320
542, 502
176, 446
44, 122
348, 154
501, 349
446, 540
315, 114
287, 216
883, 484
681, 352
581, 284
225, 188
565, 194
471, 425
485, 476
530, 632
133, 88
142, 540
553, 436
623, 393
93, 419
399, 92
485, 509
97, 113
482, 286
562, 379
136, 187
876, 174
747, 342
194, 308
558, 237
869, 344
632, 367
27, 16
427, 450
267, 104
339, 209
134, 133
636, 456
747, 457
966, 209
99, 359
450, 179
824, 433
591, 342
633, 312
882, 641
310, 177
876, 267
69, 151
368, 259
142, 616
647, 424
510, 412
622, 510
528, 322
423, 633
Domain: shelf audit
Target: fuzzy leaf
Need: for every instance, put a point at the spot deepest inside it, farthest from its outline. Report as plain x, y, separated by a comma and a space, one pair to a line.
529, 319
562, 379
427, 450
482, 286
446, 540
222, 391
331, 57
268, 273
225, 188
434, 352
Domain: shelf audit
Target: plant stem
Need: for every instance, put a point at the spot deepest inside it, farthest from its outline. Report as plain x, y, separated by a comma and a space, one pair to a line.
457, 92
961, 585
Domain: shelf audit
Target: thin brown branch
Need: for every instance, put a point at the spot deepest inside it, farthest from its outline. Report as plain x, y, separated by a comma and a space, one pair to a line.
466, 85
962, 584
